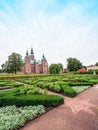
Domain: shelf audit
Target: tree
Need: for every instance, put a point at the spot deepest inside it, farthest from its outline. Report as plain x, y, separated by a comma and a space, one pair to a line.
96, 64
61, 66
14, 63
73, 64
54, 69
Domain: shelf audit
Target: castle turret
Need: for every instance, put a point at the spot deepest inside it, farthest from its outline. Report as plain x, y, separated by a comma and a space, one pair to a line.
44, 65
27, 63
27, 54
32, 53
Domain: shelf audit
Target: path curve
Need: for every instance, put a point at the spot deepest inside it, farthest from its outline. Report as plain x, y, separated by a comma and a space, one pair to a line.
79, 113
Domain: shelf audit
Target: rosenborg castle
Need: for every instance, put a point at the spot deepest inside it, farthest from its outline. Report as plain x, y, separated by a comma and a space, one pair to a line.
31, 65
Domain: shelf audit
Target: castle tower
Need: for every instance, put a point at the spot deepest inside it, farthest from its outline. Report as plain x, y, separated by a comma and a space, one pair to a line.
31, 65
44, 65
27, 63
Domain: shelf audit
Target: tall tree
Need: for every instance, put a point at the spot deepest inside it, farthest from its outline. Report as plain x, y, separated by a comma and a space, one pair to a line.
73, 64
54, 69
14, 63
96, 64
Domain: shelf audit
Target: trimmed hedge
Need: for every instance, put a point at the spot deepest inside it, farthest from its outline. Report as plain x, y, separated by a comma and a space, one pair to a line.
81, 84
46, 100
68, 91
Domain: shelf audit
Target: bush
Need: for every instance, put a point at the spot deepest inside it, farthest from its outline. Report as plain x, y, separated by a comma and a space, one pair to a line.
67, 90
12, 118
27, 90
54, 87
81, 84
22, 100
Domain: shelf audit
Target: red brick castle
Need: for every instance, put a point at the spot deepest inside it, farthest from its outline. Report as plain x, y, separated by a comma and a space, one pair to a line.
31, 65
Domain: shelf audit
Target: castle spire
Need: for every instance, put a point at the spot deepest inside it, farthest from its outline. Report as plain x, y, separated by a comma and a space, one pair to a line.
27, 53
43, 57
32, 53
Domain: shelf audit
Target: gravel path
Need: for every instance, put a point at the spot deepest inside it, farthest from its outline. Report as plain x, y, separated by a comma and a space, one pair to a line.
79, 113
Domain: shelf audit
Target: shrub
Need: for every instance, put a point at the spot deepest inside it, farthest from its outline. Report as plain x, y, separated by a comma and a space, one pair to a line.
27, 90
80, 83
12, 118
68, 91
22, 100
54, 87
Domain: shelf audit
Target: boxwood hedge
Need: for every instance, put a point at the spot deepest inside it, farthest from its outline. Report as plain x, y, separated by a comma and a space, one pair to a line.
22, 100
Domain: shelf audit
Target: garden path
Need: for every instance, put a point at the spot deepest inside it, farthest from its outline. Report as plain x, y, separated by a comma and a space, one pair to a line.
79, 113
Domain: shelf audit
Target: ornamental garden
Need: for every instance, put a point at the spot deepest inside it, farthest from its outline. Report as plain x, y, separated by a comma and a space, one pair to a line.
25, 97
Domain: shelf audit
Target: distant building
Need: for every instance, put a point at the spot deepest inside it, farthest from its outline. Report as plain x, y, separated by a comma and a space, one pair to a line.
31, 65
92, 67
82, 70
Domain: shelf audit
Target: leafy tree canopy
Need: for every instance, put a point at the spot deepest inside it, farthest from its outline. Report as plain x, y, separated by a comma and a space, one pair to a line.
73, 64
96, 64
13, 64
61, 66
54, 69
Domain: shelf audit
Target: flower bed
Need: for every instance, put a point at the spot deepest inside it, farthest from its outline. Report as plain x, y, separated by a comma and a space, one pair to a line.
12, 117
79, 89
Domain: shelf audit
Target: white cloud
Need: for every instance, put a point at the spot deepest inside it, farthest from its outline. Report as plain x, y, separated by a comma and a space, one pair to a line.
61, 35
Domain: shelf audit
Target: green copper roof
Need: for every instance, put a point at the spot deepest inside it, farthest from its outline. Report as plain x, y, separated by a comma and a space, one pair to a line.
27, 53
32, 61
32, 53
43, 56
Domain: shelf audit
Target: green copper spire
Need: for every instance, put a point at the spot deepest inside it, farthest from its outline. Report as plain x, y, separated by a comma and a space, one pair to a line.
27, 53
44, 56
32, 53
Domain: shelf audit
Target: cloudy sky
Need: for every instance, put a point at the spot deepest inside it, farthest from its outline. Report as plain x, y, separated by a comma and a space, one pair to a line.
58, 28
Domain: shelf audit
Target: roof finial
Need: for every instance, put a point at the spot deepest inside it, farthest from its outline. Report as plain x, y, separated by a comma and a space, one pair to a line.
32, 53
27, 53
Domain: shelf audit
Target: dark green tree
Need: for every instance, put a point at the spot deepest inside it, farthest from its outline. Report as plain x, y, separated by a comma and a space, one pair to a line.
61, 66
54, 69
73, 64
96, 64
14, 63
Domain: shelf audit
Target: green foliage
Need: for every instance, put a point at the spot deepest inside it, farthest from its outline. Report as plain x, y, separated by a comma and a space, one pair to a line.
22, 100
12, 118
61, 66
67, 90
96, 64
5, 84
54, 87
54, 69
13, 64
79, 89
80, 84
73, 64
28, 90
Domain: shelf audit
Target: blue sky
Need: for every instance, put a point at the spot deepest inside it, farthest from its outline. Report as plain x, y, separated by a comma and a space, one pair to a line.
59, 28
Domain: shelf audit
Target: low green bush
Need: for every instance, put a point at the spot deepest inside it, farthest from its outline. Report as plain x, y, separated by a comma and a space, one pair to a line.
22, 100
54, 87
27, 90
12, 118
81, 84
80, 89
68, 91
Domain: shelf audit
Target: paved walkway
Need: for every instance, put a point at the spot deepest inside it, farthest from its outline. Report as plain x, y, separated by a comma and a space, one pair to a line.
79, 113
